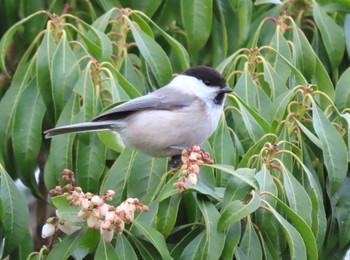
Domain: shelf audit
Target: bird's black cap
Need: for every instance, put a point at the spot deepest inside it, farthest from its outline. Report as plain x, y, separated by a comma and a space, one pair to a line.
209, 76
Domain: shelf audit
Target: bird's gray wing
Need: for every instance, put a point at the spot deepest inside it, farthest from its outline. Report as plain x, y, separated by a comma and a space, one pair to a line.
162, 99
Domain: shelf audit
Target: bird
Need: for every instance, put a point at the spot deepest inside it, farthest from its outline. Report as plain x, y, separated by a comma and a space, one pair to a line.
183, 113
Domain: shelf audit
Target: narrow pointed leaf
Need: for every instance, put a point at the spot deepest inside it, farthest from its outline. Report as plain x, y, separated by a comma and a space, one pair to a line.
14, 213
334, 149
124, 249
105, 251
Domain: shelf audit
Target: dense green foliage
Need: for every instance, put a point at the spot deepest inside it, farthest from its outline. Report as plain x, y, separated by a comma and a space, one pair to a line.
280, 184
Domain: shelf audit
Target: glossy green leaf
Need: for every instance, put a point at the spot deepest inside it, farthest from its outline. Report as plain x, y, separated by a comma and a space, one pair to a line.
180, 51
27, 135
116, 178
236, 190
296, 244
245, 174
236, 210
66, 247
223, 147
301, 226
64, 74
105, 251
43, 65
145, 175
342, 212
213, 240
60, 156
194, 247
266, 184
167, 214
298, 199
233, 236
324, 82
334, 149
278, 107
66, 211
154, 55
332, 35
124, 249
305, 55
90, 161
154, 237
7, 38
250, 244
14, 213
342, 91
148, 8
9, 103
197, 20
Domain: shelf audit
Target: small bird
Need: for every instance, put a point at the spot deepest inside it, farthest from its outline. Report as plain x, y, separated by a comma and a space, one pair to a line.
179, 115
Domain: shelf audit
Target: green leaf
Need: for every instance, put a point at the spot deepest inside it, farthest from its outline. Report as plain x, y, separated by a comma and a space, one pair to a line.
298, 199
305, 55
342, 91
341, 206
300, 225
331, 33
9, 103
43, 66
7, 38
61, 153
213, 241
64, 74
154, 237
233, 236
167, 214
117, 177
296, 244
197, 20
105, 251
145, 175
324, 82
245, 174
66, 211
193, 247
14, 213
334, 149
90, 161
66, 247
276, 83
236, 190
266, 184
27, 135
223, 147
179, 49
277, 108
124, 249
236, 210
250, 244
154, 55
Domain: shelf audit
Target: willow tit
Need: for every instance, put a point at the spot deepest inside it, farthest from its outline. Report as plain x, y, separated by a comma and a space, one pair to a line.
179, 115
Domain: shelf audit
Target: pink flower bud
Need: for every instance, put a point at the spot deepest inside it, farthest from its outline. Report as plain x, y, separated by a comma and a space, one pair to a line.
103, 209
110, 193
196, 148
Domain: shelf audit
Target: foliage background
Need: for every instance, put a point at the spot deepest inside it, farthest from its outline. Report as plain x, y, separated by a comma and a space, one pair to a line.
280, 186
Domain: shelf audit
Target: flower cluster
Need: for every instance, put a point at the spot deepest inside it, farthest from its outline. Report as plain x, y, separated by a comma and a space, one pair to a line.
191, 159
94, 211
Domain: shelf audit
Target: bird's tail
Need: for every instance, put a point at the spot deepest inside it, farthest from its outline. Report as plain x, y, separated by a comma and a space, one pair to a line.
80, 127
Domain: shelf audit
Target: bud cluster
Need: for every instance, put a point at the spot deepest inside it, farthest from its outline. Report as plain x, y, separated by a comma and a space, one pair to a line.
191, 159
94, 211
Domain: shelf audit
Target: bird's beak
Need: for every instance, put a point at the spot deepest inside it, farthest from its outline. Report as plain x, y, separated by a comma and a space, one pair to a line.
226, 89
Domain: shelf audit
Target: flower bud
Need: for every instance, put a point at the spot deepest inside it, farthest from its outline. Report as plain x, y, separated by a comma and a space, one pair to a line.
107, 234
103, 209
192, 178
48, 230
97, 200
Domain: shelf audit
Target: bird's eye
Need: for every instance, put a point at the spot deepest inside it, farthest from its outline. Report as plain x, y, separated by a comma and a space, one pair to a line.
206, 82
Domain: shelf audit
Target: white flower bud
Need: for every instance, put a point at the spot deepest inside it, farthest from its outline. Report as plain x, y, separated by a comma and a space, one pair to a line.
48, 230
107, 234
